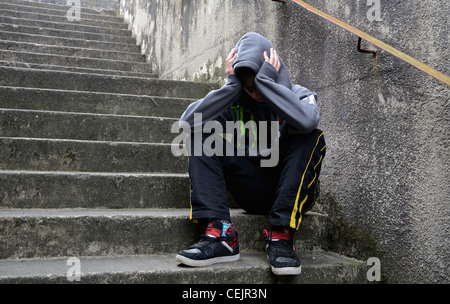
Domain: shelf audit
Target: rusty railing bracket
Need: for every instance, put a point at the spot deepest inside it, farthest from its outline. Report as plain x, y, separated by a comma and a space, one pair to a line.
379, 44
374, 53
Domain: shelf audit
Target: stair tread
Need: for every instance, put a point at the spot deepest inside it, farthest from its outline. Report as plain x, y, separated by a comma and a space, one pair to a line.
101, 231
91, 102
51, 59
40, 48
78, 212
140, 268
61, 11
103, 76
74, 173
21, 153
67, 41
68, 80
55, 6
96, 115
67, 24
65, 33
76, 69
63, 19
109, 94
85, 126
50, 49
83, 141
53, 189
64, 57
85, 212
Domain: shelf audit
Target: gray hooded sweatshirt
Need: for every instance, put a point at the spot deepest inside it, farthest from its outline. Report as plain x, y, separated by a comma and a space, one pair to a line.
293, 106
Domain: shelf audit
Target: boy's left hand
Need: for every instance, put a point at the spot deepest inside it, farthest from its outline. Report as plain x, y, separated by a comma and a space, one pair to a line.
274, 60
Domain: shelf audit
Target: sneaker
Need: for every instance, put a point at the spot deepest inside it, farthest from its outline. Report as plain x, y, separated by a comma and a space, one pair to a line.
281, 252
212, 248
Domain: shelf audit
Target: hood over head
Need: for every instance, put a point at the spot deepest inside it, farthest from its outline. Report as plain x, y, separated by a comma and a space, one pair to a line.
250, 49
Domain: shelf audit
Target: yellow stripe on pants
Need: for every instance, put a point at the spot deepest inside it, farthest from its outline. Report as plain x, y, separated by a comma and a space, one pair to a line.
296, 209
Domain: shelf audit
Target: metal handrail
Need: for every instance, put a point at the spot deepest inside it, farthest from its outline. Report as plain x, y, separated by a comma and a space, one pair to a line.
362, 35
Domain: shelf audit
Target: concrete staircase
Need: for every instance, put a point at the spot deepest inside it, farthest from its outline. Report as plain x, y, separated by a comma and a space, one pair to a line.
86, 168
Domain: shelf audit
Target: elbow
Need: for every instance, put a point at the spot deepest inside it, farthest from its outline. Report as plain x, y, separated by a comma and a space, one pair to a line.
306, 126
314, 123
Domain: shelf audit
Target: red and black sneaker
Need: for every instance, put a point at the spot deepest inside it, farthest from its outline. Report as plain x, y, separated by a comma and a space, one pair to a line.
281, 252
212, 248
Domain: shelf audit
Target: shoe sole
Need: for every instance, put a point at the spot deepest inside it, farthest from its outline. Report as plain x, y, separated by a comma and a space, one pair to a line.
287, 270
199, 263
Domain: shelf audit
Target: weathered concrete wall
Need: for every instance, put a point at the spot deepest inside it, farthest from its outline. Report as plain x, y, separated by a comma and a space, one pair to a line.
386, 174
191, 39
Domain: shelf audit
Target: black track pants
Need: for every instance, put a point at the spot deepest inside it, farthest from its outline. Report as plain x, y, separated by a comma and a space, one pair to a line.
284, 192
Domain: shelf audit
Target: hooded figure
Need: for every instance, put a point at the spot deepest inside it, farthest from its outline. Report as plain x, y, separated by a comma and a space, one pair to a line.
249, 48
292, 105
259, 90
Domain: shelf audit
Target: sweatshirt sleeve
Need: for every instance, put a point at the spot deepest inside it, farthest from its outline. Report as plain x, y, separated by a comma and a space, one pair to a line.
297, 106
215, 102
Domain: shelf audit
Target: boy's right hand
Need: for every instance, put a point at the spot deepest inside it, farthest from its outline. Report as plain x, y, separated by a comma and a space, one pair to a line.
274, 60
229, 62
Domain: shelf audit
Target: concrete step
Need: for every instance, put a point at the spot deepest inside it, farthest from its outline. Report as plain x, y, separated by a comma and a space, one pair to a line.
85, 126
69, 51
56, 189
97, 5
41, 189
36, 233
91, 102
70, 42
67, 26
61, 19
58, 10
60, 80
38, 66
72, 61
66, 33
88, 156
318, 267
62, 5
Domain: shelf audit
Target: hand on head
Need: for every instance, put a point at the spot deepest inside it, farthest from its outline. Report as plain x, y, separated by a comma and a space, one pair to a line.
229, 69
274, 60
